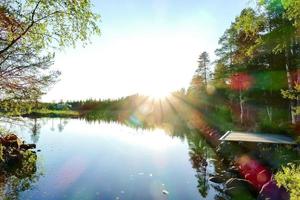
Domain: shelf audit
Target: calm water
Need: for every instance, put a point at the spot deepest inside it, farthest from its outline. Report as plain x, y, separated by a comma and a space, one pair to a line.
109, 161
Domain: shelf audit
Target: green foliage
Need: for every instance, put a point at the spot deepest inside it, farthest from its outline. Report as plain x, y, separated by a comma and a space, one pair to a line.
30, 32
248, 26
282, 20
269, 80
250, 22
222, 116
293, 94
54, 113
15, 108
292, 11
267, 126
220, 75
4, 132
262, 44
48, 23
289, 178
272, 6
203, 67
20, 177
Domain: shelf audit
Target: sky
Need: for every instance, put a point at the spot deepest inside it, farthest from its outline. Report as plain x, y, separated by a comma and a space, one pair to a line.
149, 47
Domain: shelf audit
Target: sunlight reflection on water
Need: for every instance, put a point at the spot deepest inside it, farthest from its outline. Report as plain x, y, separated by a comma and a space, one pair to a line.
110, 161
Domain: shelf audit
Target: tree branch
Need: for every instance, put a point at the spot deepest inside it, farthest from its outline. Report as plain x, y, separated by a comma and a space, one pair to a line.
24, 32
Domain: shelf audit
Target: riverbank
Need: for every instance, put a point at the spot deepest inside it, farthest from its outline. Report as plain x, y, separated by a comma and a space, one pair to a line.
13, 149
53, 113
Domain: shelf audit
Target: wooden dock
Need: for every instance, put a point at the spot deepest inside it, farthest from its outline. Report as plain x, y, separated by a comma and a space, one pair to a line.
256, 137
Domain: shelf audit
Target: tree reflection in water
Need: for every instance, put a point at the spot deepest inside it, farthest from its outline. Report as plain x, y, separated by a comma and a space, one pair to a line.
179, 117
19, 177
35, 129
198, 156
200, 151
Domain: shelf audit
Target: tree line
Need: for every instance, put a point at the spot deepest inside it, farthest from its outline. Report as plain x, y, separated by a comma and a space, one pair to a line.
257, 66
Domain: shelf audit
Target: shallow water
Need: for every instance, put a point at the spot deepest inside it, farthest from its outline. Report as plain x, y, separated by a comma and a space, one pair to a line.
81, 160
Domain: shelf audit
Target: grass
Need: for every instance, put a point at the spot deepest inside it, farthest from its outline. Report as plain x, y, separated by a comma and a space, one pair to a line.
54, 113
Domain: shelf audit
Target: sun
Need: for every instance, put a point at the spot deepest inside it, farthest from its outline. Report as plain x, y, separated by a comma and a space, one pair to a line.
158, 94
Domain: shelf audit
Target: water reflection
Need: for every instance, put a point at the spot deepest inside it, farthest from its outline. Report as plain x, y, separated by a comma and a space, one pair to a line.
17, 178
35, 129
199, 153
171, 154
113, 157
181, 117
175, 121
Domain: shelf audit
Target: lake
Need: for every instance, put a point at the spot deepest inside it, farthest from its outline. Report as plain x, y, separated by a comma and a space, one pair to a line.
77, 159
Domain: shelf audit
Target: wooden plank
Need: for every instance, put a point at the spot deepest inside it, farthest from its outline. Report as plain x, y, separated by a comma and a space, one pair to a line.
256, 137
225, 135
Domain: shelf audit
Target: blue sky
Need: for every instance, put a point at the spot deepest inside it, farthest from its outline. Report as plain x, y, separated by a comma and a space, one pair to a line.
146, 46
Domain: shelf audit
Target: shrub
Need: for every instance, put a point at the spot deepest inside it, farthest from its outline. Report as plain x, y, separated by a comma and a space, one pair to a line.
289, 178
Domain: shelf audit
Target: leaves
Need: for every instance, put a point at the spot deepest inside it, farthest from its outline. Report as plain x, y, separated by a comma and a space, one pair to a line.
29, 34
293, 94
292, 11
289, 178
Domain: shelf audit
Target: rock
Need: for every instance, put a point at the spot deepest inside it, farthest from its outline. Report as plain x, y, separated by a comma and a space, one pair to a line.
216, 179
271, 191
236, 191
10, 137
13, 149
27, 146
165, 192
237, 186
234, 182
12, 156
233, 170
11, 140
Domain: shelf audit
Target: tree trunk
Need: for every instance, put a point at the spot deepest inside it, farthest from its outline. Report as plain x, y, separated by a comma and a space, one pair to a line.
269, 112
241, 108
290, 82
298, 96
297, 79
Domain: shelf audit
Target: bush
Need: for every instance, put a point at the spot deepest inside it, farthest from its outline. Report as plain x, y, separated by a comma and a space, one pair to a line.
289, 178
